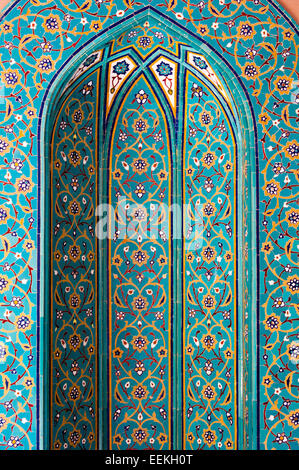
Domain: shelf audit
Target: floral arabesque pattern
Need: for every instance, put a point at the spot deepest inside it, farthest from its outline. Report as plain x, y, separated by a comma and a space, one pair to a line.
260, 44
140, 316
73, 370
210, 309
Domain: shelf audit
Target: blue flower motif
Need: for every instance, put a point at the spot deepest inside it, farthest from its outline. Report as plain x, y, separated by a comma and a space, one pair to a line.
164, 69
200, 63
121, 67
90, 60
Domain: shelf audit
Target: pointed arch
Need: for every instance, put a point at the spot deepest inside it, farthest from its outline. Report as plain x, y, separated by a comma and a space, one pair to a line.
102, 74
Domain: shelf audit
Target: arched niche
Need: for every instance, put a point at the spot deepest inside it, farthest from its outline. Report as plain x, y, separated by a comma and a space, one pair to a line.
188, 305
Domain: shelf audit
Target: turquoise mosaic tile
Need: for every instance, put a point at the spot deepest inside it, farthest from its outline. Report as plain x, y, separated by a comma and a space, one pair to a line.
149, 343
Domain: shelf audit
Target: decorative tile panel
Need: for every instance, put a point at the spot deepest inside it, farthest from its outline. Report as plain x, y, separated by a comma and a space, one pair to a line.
73, 281
254, 45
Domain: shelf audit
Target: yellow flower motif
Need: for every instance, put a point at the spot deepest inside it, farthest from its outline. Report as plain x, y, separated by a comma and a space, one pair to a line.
209, 209
208, 159
293, 351
75, 341
293, 419
139, 257
5, 283
267, 381
117, 353
57, 165
162, 352
272, 322
28, 245
203, 29
4, 420
145, 42
264, 118
292, 217
250, 71
208, 301
74, 301
228, 444
140, 165
190, 437
208, 254
292, 284
74, 393
24, 185
283, 84
11, 78
91, 169
189, 171
228, 256
162, 438
139, 303
117, 174
77, 116
227, 166
52, 24
28, 383
57, 256
57, 445
141, 125
190, 257
189, 349
209, 437
74, 253
57, 354
267, 247
74, 207
5, 146
140, 392
117, 439
162, 260
74, 157
288, 34
6, 27
23, 322
140, 435
117, 260
209, 342
30, 113
245, 30
162, 175
272, 188
139, 343
45, 64
74, 437
228, 353
95, 26
292, 150
205, 118
209, 392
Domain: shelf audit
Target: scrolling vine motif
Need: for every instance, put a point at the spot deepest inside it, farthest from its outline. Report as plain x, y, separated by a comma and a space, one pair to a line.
140, 278
259, 43
73, 271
